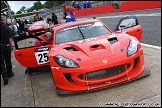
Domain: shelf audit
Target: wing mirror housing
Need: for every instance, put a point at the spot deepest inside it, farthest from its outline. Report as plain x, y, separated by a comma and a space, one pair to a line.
122, 29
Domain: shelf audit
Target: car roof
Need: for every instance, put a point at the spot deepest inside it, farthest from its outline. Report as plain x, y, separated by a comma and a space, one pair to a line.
76, 23
39, 22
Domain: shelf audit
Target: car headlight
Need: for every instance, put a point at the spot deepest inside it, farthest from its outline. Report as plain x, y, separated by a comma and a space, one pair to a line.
132, 48
65, 62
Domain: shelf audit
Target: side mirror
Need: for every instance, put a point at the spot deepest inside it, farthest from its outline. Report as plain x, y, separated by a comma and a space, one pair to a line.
121, 27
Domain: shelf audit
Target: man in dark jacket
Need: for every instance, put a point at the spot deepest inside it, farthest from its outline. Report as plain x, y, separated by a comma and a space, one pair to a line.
54, 19
21, 25
6, 48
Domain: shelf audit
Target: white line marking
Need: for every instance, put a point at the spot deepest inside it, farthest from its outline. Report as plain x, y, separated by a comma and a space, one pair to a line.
120, 16
152, 46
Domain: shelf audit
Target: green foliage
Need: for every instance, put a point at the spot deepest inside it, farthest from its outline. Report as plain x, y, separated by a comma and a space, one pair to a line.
30, 9
48, 4
18, 12
38, 5
12, 13
23, 9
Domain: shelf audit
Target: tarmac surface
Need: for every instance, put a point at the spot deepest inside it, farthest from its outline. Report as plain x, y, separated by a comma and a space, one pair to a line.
38, 90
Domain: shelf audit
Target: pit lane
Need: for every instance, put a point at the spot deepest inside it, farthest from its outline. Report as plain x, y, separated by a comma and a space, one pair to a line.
38, 90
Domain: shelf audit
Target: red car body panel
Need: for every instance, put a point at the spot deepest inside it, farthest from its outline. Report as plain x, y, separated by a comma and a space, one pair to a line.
114, 58
39, 27
134, 31
26, 57
102, 60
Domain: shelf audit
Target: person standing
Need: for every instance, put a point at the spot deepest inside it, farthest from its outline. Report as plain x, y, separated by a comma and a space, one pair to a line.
15, 28
70, 15
26, 22
36, 17
41, 18
21, 25
26, 25
65, 10
54, 18
6, 48
49, 20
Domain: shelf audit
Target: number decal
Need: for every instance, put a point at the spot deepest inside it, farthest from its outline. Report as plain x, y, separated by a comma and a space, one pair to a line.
45, 56
42, 55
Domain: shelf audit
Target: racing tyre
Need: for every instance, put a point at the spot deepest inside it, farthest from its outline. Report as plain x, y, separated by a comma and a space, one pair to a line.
29, 70
26, 70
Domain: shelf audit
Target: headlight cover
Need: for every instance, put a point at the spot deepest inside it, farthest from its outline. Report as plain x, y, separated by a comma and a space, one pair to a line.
65, 62
132, 48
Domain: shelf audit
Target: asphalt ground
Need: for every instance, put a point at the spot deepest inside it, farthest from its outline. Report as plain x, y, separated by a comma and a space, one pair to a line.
38, 90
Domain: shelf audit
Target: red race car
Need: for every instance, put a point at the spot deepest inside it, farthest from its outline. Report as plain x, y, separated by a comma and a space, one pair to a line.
87, 55
38, 26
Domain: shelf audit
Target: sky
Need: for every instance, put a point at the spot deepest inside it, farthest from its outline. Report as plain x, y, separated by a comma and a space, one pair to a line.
16, 5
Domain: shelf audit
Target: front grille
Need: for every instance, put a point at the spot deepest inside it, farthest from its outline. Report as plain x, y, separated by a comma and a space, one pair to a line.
104, 73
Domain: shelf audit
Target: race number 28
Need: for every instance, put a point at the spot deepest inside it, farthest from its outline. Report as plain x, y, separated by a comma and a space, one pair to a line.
42, 56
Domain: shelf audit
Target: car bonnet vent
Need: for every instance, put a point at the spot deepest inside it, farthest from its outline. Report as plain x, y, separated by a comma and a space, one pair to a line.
112, 40
70, 49
95, 46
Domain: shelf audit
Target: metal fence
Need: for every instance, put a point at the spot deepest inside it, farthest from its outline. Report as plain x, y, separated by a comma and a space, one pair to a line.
58, 8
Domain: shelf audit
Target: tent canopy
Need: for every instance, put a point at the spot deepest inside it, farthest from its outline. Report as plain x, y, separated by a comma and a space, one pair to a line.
4, 6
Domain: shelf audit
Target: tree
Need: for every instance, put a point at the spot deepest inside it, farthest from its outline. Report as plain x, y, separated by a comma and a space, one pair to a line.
12, 13
48, 4
51, 4
30, 9
18, 12
23, 9
38, 5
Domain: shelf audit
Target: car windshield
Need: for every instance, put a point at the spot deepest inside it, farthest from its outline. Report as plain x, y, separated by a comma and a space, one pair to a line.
81, 31
39, 23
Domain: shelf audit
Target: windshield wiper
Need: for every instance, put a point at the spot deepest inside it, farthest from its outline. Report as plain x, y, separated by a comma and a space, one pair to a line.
81, 33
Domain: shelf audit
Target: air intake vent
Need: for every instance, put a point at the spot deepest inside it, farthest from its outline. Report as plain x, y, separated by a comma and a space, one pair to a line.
95, 46
70, 49
113, 40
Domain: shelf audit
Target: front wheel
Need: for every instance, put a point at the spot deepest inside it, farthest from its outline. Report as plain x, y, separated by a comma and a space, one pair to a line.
29, 70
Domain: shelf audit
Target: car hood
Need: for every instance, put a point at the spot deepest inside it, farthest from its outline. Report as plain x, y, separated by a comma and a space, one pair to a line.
37, 27
93, 48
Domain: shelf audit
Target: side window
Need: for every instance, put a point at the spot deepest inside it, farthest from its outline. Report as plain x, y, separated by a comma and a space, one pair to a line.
127, 23
30, 42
